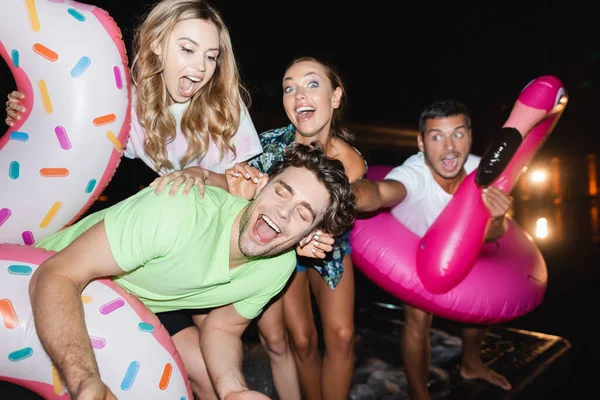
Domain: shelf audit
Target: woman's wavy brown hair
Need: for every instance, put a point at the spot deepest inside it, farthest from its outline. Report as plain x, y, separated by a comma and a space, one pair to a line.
214, 111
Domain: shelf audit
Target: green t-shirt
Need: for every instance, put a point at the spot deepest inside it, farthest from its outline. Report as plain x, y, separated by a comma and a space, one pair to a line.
175, 252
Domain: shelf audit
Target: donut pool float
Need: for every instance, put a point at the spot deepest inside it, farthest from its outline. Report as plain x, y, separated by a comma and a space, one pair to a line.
135, 354
450, 271
69, 60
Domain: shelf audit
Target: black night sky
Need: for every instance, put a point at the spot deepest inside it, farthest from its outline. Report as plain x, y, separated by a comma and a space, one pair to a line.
396, 57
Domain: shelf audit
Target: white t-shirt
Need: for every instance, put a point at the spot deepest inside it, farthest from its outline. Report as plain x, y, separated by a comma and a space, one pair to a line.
246, 142
425, 198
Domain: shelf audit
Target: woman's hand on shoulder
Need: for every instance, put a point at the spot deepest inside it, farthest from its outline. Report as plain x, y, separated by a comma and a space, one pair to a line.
190, 177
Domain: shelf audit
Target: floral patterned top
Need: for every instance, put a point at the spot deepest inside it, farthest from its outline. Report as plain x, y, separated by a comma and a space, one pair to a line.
275, 143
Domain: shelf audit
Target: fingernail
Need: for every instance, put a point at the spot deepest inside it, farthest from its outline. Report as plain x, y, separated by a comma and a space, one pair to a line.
255, 180
313, 250
319, 233
261, 174
248, 176
317, 236
236, 175
315, 243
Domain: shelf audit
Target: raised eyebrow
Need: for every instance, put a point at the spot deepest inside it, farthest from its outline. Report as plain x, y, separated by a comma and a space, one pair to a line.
312, 73
435, 130
304, 203
289, 78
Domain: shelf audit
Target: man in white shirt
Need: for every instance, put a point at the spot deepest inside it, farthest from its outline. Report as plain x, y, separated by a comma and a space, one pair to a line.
418, 191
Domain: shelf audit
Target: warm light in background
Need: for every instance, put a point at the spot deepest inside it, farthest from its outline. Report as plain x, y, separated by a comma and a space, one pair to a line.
592, 175
538, 176
594, 220
541, 228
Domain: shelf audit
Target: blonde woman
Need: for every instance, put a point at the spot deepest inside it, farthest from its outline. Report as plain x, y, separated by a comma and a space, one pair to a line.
188, 114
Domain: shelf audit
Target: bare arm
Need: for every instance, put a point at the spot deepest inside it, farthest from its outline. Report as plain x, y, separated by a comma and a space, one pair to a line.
373, 195
221, 346
354, 163
55, 292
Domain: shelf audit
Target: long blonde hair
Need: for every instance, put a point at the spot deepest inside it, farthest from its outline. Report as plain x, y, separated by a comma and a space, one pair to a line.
214, 111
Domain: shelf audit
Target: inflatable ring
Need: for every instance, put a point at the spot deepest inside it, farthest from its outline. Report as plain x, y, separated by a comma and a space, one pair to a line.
462, 278
70, 61
135, 354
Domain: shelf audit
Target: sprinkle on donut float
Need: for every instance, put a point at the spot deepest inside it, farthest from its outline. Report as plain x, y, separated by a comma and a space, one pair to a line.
69, 60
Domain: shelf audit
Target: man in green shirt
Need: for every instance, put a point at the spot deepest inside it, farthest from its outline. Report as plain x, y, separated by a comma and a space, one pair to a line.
186, 252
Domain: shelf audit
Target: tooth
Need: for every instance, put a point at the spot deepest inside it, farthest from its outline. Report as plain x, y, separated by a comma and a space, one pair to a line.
271, 224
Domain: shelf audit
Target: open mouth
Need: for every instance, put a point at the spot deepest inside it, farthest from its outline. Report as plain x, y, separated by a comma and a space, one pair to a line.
305, 112
188, 85
265, 229
450, 162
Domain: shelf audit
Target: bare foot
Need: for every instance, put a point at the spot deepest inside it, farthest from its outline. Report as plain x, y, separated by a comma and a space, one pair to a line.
483, 372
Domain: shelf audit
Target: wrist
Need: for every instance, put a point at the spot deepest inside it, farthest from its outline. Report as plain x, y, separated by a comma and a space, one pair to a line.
498, 219
230, 382
205, 175
89, 380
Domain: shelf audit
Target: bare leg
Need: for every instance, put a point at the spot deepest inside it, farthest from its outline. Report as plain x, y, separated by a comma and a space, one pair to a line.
416, 350
337, 313
187, 343
303, 335
273, 336
472, 367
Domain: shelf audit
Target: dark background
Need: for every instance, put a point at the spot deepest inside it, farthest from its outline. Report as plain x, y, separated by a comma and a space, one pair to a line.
396, 57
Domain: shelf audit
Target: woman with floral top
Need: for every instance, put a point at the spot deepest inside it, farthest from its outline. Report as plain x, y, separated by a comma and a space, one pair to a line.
313, 98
